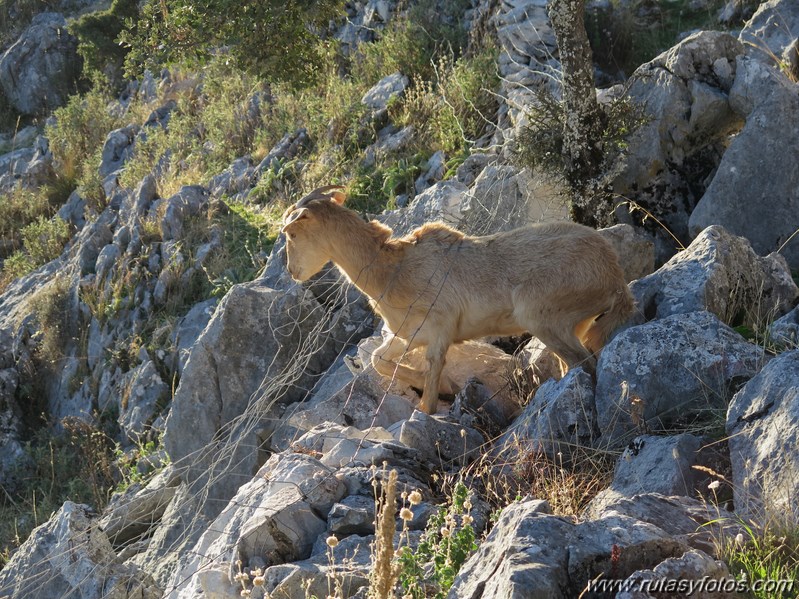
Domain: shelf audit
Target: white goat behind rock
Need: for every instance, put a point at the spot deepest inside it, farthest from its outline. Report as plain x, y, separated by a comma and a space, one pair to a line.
561, 282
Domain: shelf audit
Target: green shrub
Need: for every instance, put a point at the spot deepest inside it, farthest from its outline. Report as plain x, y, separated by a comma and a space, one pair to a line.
79, 132
97, 33
448, 540
74, 465
18, 208
272, 38
453, 111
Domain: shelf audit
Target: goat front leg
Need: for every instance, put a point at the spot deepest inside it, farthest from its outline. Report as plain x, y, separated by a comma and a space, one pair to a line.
436, 354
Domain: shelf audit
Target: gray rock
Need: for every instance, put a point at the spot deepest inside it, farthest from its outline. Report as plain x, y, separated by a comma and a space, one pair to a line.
289, 147
504, 198
676, 574
178, 530
235, 179
771, 30
683, 93
189, 328
353, 515
144, 395
189, 201
28, 168
69, 556
532, 554
136, 203
785, 331
386, 144
261, 346
762, 425
350, 566
73, 211
440, 202
752, 194
471, 168
719, 272
274, 517
528, 60
387, 89
663, 465
559, 420
698, 524
39, 71
117, 148
636, 252
668, 373
434, 172
439, 440
135, 513
349, 400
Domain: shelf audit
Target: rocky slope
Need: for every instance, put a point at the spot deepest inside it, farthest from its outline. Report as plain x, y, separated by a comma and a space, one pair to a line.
279, 432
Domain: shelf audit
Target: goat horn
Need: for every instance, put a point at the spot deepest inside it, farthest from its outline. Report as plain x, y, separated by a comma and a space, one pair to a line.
320, 193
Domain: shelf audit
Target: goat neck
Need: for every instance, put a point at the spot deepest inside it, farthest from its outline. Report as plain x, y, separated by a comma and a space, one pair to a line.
358, 249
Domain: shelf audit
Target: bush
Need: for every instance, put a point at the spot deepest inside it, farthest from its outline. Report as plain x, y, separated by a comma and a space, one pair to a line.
97, 33
43, 241
80, 129
274, 39
457, 108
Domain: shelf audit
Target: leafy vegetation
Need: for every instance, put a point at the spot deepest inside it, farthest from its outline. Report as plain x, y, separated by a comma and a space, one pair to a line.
448, 540
275, 38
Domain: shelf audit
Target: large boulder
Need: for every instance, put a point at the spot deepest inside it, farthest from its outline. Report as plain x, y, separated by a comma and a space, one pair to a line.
262, 347
771, 30
753, 194
274, 518
762, 425
68, 556
560, 419
684, 96
39, 71
719, 272
504, 198
531, 554
669, 372
664, 465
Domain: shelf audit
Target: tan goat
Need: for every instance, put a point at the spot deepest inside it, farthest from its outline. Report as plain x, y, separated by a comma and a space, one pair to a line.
561, 282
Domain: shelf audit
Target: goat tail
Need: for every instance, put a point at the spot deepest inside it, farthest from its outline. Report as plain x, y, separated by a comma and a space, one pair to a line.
603, 325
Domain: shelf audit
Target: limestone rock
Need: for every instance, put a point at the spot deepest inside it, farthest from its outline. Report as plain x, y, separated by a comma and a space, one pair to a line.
532, 554
664, 465
720, 273
40, 70
560, 419
669, 371
772, 29
635, 251
242, 364
752, 194
69, 556
387, 89
684, 95
762, 424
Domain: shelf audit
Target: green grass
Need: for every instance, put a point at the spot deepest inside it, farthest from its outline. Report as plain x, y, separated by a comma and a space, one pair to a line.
765, 554
74, 465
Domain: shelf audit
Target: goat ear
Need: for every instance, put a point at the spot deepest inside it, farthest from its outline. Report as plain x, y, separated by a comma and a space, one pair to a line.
294, 217
338, 197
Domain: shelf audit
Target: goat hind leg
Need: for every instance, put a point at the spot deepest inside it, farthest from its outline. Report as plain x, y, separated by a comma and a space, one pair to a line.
567, 347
